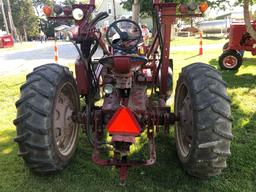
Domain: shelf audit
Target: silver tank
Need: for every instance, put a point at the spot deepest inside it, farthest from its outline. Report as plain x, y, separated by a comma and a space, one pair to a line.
215, 26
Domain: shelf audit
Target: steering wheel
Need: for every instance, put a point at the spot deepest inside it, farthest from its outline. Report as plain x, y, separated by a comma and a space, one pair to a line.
124, 34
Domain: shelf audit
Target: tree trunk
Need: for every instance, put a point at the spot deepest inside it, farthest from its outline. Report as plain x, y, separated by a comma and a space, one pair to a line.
247, 19
4, 16
40, 20
136, 10
25, 33
114, 7
12, 26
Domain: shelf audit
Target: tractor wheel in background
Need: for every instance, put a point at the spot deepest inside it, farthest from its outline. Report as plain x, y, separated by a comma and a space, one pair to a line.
203, 132
46, 132
225, 46
230, 60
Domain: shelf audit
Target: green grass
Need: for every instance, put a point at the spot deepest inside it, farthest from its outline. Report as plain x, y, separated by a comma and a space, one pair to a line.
167, 174
179, 41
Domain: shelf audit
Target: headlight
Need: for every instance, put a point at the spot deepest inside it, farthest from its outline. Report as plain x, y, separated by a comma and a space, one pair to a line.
78, 14
108, 89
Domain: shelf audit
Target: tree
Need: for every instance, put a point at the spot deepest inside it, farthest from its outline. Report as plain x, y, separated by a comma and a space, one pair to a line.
247, 19
12, 25
23, 15
146, 5
135, 10
3, 18
25, 19
38, 5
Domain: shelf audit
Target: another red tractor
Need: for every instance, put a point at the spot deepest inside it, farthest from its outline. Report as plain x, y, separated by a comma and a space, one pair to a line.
233, 51
134, 88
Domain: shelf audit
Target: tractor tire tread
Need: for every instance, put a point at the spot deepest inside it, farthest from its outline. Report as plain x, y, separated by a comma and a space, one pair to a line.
32, 123
211, 147
21, 118
21, 137
223, 96
37, 146
41, 92
23, 154
222, 113
40, 131
23, 99
37, 110
29, 82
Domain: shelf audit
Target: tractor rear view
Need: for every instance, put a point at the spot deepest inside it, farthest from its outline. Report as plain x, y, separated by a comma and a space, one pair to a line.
134, 82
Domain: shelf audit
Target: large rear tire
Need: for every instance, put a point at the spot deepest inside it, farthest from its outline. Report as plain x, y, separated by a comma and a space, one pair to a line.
46, 132
203, 132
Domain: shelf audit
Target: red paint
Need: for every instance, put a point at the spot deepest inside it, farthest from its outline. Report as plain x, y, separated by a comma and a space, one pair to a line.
6, 41
203, 6
47, 11
123, 123
237, 31
123, 64
56, 57
81, 78
201, 44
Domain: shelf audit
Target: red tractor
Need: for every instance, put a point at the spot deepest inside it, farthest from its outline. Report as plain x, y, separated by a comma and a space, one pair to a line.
134, 88
233, 51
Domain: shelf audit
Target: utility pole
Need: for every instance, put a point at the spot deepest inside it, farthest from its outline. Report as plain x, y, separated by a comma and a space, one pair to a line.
4, 17
114, 7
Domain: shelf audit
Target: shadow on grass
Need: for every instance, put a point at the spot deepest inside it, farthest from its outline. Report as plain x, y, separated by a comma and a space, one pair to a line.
233, 80
211, 38
197, 55
6, 144
246, 62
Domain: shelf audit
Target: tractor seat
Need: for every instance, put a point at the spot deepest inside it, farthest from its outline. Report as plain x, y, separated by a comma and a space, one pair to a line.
124, 63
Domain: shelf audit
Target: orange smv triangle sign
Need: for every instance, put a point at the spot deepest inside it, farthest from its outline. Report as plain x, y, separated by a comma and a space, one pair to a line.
123, 123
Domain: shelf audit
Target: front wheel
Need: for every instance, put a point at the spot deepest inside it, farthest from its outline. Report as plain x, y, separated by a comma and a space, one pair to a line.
203, 132
230, 60
46, 132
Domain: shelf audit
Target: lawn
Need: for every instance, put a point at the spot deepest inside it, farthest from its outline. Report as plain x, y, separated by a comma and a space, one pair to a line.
167, 174
179, 41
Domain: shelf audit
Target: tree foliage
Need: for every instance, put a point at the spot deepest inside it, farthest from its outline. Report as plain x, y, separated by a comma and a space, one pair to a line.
247, 18
146, 5
24, 17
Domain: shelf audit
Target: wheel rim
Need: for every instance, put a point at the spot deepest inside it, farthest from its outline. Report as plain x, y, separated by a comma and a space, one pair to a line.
230, 61
184, 127
65, 129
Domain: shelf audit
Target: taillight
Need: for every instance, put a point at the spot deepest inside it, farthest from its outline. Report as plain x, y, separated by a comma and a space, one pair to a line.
203, 7
47, 11
123, 123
